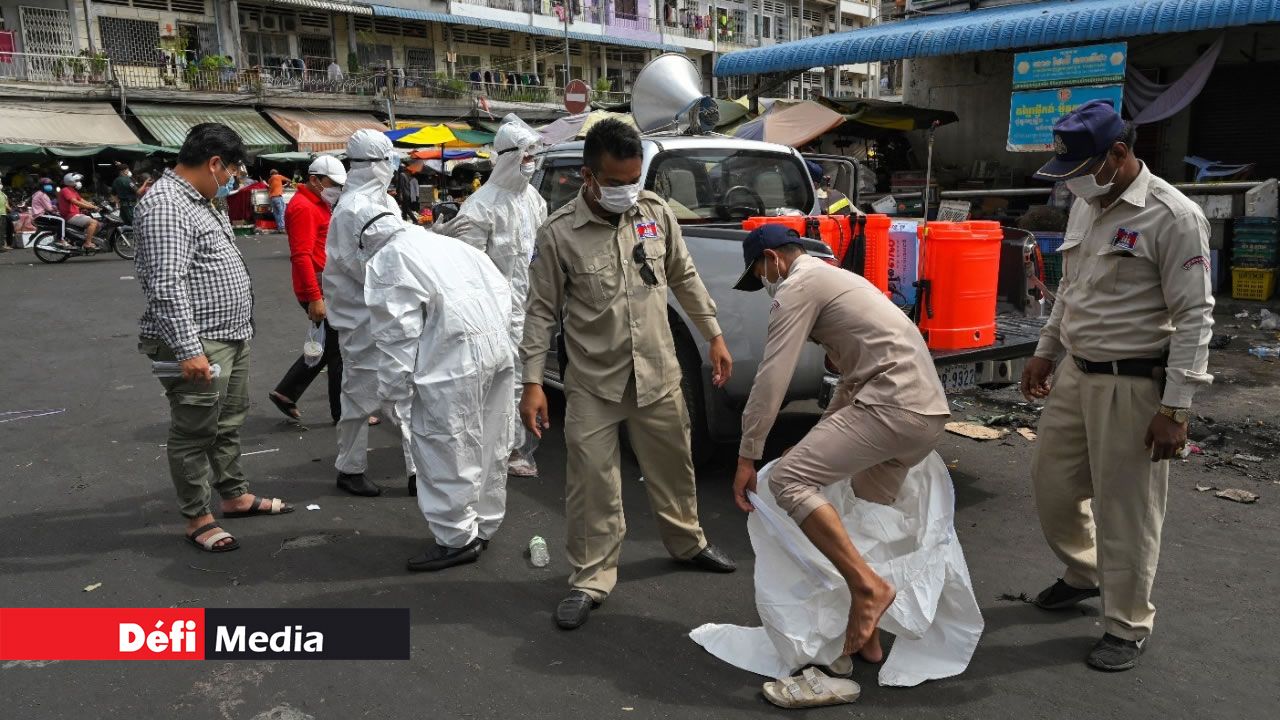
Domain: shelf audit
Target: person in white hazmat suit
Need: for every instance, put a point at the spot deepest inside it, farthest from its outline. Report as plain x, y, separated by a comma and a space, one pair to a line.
440, 314
373, 163
502, 219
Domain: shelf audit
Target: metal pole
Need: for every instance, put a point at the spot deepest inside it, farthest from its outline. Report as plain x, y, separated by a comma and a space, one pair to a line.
88, 26
391, 95
568, 63
928, 174
715, 48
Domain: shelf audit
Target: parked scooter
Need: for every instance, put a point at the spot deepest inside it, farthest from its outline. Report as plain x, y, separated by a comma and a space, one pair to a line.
113, 235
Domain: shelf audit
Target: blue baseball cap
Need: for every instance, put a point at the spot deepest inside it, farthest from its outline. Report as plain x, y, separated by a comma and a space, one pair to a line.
1081, 137
765, 237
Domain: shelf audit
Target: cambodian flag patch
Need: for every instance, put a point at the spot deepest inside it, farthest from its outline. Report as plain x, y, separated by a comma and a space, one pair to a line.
646, 229
1125, 239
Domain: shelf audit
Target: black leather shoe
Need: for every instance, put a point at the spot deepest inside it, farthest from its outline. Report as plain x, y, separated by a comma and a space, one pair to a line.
358, 485
440, 557
413, 486
1114, 654
573, 611
1061, 596
713, 559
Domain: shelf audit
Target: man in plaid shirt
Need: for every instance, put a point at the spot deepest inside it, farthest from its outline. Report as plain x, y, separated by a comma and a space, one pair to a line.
200, 314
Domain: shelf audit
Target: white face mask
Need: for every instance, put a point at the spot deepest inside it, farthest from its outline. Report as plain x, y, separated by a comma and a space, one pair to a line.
618, 199
1086, 187
771, 286
79, 184
330, 195
528, 169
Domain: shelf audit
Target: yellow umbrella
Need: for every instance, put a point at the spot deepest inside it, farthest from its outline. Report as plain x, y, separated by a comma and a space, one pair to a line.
429, 135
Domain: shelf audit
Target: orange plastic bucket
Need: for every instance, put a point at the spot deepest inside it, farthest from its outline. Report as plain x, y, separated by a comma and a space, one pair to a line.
876, 266
961, 270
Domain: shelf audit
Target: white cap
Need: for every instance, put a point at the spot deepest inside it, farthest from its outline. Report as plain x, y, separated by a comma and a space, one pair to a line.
330, 167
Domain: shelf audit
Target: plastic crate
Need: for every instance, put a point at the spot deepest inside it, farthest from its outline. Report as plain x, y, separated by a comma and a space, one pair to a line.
1049, 242
1253, 283
1052, 269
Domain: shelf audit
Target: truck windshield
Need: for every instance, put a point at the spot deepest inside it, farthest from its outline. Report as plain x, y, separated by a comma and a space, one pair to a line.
722, 185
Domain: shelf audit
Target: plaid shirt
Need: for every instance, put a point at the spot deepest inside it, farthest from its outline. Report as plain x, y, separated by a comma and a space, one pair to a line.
194, 278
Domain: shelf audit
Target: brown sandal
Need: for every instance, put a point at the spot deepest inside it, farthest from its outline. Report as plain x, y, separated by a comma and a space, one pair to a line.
210, 544
272, 506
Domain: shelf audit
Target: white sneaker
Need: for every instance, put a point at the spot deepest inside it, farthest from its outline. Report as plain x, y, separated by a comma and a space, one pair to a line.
521, 467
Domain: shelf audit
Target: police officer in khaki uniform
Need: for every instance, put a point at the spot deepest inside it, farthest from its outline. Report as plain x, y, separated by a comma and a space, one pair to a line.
1130, 335
606, 261
886, 415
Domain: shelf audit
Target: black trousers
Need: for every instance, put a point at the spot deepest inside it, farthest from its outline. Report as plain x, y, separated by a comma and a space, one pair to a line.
299, 376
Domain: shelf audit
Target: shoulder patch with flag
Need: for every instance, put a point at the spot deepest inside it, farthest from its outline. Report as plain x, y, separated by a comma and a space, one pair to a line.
646, 229
1125, 239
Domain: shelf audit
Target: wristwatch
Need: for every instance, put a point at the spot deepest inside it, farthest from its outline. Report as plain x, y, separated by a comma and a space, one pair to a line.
1178, 415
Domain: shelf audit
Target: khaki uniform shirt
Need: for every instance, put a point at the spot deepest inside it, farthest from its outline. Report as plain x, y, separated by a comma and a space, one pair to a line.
1136, 284
615, 325
881, 355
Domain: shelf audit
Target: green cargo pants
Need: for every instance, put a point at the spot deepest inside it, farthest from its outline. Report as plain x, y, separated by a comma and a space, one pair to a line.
204, 425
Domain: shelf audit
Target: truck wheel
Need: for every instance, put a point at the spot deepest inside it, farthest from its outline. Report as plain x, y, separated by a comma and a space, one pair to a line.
694, 399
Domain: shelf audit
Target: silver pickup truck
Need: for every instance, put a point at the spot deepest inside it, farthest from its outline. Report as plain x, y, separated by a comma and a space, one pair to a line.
712, 183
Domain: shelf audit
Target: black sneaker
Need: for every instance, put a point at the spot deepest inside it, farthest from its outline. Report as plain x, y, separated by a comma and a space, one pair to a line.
1114, 654
358, 484
439, 557
413, 486
573, 611
1061, 596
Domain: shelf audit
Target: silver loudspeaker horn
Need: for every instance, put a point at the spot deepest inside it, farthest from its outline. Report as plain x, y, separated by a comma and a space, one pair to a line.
667, 95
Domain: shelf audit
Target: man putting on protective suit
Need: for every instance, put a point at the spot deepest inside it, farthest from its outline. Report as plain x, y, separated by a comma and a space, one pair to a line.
886, 416
440, 314
373, 163
501, 220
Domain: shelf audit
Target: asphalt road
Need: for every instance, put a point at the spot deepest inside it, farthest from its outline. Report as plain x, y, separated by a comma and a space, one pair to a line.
86, 499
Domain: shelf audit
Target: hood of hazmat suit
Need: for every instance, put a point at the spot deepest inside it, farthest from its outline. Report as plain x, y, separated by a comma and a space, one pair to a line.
373, 163
501, 219
440, 314
804, 602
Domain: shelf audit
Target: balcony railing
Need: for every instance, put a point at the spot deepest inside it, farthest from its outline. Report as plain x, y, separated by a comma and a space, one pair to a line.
693, 33
408, 83
631, 22
55, 69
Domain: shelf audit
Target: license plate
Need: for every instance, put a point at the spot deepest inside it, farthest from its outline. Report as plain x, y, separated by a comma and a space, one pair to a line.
958, 378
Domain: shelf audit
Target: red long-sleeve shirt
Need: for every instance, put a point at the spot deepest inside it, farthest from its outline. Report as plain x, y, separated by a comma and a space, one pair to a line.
306, 219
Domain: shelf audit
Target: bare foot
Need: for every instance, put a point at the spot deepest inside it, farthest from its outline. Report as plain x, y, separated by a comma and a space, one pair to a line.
865, 611
872, 652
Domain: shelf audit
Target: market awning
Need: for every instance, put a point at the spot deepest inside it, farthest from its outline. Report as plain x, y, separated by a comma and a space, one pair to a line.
322, 132
791, 125
447, 19
337, 6
63, 125
1038, 24
885, 115
169, 124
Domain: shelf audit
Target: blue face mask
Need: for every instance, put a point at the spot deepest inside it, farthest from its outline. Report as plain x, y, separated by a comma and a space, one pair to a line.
48, 188
225, 190
396, 161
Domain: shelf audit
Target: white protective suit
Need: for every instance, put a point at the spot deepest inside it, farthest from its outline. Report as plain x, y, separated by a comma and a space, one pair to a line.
373, 163
441, 317
501, 219
804, 602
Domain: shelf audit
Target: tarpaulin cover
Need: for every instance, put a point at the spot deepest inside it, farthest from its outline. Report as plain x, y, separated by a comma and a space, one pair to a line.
793, 126
322, 131
804, 602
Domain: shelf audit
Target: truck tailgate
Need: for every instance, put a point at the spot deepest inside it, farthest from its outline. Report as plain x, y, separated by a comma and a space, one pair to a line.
1016, 337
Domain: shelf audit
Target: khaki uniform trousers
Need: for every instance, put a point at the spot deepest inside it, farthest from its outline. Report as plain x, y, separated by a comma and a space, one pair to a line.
659, 435
873, 446
1091, 447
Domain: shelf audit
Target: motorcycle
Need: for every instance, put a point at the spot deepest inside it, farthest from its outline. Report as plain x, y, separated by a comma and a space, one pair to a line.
113, 235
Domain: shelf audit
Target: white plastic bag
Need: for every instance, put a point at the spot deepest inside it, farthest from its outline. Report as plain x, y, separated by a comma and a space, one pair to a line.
313, 346
804, 603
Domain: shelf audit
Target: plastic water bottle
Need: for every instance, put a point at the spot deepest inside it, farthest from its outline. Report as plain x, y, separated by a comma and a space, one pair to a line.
1265, 351
173, 369
538, 554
